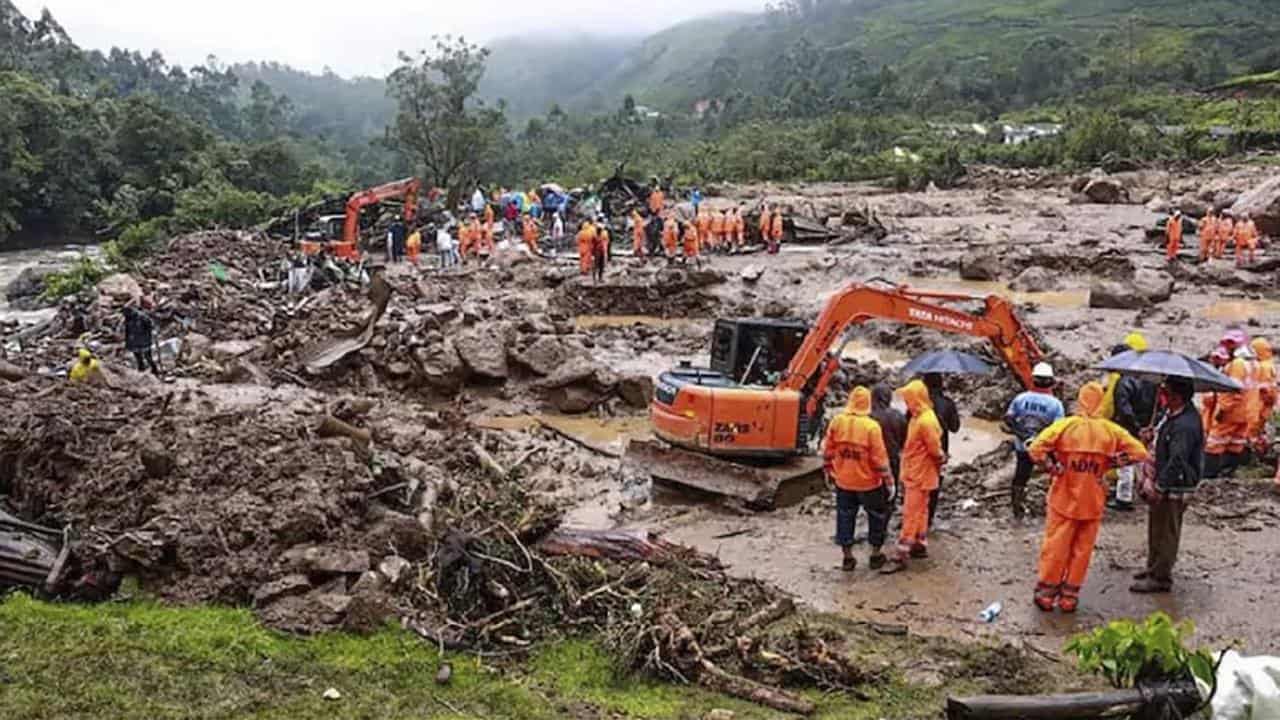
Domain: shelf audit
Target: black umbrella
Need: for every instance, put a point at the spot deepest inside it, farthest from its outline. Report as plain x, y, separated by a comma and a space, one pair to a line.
947, 362
1157, 364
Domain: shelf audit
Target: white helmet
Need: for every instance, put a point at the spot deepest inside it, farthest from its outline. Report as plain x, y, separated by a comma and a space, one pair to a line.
1043, 370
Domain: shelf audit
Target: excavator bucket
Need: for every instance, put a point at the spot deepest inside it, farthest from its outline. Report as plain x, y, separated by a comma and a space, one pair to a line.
759, 488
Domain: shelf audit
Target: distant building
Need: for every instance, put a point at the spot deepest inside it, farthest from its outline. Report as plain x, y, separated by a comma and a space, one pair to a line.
647, 112
1019, 134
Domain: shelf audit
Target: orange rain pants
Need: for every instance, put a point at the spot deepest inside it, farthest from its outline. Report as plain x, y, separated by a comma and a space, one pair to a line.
1173, 238
1226, 231
1208, 234
1064, 558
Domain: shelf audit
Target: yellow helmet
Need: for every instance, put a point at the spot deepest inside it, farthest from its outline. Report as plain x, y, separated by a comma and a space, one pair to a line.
1136, 342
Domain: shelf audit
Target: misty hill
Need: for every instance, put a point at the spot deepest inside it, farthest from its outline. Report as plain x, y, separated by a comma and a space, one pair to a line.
346, 110
990, 55
593, 75
534, 73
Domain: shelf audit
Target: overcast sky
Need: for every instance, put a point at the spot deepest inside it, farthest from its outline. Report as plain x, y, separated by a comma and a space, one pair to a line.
350, 37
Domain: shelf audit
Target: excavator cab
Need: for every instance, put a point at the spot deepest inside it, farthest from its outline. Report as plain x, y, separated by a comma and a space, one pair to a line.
754, 351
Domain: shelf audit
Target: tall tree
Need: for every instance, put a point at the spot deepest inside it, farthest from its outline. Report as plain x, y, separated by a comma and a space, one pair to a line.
440, 122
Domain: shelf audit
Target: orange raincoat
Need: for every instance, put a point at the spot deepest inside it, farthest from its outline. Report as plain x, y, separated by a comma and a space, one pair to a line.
766, 225
1226, 231
670, 236
1173, 237
718, 230
488, 214
637, 233
922, 460
1208, 234
484, 244
1083, 448
1265, 379
1228, 415
703, 223
853, 452
739, 228
1246, 241
657, 201
530, 232
586, 239
692, 242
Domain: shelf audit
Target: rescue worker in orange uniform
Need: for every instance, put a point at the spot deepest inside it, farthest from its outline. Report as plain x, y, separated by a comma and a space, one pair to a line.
467, 235
657, 200
922, 461
766, 224
600, 250
717, 238
1078, 451
1173, 236
737, 227
775, 233
1228, 416
670, 236
586, 245
637, 234
1265, 379
1246, 241
1226, 231
692, 244
488, 214
703, 223
413, 245
484, 245
530, 233
1207, 232
856, 461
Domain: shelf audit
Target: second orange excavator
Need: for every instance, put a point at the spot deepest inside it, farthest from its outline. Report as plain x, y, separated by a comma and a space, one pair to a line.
737, 427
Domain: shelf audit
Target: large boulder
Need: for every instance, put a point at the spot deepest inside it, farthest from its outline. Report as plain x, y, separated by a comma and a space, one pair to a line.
1146, 288
1106, 191
1036, 279
29, 283
636, 390
574, 399
441, 367
1262, 203
980, 264
543, 356
120, 288
483, 350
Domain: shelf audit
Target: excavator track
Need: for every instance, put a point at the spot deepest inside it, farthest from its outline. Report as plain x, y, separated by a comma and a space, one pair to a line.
760, 488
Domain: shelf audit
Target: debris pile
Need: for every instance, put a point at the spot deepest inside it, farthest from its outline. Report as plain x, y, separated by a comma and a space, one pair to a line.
315, 517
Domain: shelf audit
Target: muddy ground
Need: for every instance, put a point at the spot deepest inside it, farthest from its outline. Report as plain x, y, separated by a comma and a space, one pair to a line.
552, 372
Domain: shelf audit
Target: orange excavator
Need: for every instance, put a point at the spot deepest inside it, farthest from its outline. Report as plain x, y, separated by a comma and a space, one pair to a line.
744, 425
349, 247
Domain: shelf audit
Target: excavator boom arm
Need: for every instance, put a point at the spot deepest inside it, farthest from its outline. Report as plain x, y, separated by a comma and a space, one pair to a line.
860, 303
407, 189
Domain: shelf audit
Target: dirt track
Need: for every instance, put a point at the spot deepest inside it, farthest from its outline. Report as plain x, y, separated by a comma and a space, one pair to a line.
498, 347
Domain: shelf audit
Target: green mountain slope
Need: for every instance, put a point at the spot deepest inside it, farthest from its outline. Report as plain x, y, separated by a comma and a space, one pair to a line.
534, 73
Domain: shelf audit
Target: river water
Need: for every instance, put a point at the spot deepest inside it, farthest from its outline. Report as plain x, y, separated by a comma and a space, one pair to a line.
12, 263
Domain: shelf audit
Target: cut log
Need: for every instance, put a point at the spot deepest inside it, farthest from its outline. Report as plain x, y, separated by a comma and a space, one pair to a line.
487, 461
1081, 706
627, 545
333, 427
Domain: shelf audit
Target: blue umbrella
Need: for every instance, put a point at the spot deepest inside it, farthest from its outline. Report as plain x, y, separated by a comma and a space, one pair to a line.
1158, 364
947, 362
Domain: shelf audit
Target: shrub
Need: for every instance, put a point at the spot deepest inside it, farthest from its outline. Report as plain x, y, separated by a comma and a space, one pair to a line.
84, 274
1126, 652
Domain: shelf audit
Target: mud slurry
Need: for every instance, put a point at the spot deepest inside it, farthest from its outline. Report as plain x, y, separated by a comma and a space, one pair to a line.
221, 488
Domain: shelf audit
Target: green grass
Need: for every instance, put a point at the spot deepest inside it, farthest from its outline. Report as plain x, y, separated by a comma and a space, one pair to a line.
149, 662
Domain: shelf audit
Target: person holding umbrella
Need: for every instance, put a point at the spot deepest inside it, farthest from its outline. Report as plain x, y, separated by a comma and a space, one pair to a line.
1179, 469
1180, 451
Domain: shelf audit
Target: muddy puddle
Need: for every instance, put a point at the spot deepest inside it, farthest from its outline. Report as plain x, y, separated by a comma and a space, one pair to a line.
1240, 311
595, 322
1059, 299
859, 350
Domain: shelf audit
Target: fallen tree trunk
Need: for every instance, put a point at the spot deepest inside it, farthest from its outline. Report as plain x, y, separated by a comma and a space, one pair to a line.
629, 545
1081, 706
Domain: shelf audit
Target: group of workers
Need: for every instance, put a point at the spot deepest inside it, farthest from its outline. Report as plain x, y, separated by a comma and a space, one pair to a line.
1216, 232
1128, 438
